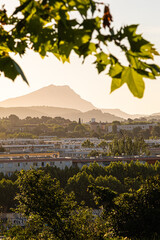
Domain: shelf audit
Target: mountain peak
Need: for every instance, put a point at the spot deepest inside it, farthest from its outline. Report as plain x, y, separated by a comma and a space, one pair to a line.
53, 96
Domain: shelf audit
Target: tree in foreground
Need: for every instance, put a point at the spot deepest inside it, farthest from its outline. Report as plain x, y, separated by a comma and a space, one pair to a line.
81, 26
134, 215
127, 194
51, 213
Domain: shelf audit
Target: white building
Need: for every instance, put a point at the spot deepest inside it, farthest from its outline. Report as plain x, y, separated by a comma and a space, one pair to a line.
13, 219
130, 127
8, 166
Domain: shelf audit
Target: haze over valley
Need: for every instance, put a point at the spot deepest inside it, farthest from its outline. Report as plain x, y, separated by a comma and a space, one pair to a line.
60, 101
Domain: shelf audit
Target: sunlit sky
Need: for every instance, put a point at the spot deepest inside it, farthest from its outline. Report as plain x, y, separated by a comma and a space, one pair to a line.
83, 78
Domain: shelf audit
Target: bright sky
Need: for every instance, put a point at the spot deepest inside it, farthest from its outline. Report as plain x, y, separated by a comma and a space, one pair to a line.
84, 79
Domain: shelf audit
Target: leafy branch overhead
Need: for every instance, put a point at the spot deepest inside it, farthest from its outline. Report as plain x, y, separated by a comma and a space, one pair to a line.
81, 26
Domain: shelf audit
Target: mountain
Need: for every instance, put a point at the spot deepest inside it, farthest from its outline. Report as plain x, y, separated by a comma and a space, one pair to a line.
59, 101
23, 112
67, 113
99, 116
55, 96
121, 114
154, 116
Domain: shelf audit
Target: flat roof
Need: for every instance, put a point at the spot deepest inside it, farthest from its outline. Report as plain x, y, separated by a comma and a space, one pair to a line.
27, 145
23, 160
80, 160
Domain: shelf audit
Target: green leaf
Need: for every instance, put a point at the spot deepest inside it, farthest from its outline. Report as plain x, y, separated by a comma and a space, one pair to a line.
65, 48
146, 51
132, 58
130, 30
11, 69
92, 47
155, 52
115, 70
35, 25
93, 7
137, 42
134, 81
102, 58
154, 68
116, 83
102, 61
145, 73
19, 71
100, 67
21, 7
85, 39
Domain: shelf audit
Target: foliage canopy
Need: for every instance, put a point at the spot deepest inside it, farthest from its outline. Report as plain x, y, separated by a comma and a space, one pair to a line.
126, 197
81, 26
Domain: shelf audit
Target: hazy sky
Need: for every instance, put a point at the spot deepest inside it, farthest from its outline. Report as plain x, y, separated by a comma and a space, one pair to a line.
84, 79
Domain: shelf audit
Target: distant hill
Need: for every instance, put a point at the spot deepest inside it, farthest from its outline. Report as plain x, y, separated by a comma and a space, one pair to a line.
121, 114
99, 116
60, 101
23, 112
155, 116
67, 113
55, 96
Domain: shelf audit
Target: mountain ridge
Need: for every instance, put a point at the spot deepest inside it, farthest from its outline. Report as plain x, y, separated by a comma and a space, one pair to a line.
119, 113
52, 95
67, 113
61, 101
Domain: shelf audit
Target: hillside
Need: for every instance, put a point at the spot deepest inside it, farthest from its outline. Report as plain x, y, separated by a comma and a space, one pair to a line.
61, 101
154, 116
55, 96
99, 116
121, 114
67, 113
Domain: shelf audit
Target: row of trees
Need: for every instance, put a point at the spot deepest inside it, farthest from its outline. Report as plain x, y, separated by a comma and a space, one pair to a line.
117, 176
119, 147
127, 196
153, 132
127, 146
13, 127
